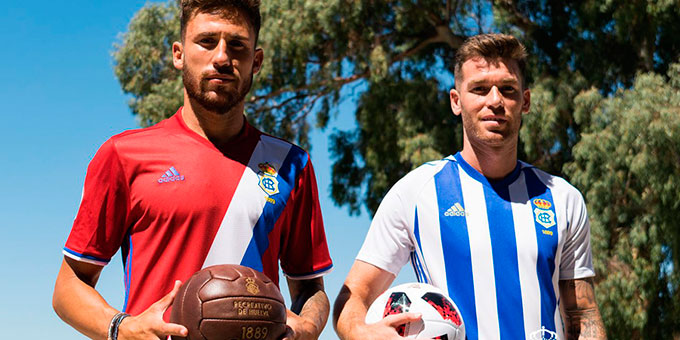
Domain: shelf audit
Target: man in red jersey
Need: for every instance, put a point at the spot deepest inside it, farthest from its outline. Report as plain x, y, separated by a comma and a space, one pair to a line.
203, 187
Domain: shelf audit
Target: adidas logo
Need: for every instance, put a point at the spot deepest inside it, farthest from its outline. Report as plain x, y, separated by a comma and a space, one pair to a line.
171, 175
456, 210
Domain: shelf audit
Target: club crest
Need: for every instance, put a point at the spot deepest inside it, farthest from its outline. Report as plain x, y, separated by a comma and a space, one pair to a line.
268, 182
251, 286
546, 218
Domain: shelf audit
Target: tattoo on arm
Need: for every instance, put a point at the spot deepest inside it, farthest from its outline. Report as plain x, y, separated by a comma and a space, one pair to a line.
316, 308
583, 319
310, 300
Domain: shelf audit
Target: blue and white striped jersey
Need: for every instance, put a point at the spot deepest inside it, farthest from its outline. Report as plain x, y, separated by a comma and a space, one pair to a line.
499, 248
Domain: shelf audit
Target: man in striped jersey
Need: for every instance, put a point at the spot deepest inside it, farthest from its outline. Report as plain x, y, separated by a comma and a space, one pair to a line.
203, 187
508, 242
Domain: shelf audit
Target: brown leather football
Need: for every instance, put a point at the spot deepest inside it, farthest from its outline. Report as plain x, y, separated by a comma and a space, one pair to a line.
229, 302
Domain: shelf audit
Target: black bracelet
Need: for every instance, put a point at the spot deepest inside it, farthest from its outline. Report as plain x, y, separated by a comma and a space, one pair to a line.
113, 326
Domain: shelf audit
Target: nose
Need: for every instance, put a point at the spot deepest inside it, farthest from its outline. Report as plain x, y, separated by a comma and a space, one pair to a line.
221, 59
494, 98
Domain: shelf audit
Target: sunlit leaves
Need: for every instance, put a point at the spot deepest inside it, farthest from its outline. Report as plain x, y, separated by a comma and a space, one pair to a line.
628, 163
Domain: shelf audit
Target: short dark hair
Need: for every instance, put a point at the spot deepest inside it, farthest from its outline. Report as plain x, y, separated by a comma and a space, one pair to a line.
491, 46
250, 9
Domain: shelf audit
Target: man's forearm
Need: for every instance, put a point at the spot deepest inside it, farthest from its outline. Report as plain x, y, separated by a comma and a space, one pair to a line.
585, 325
316, 309
583, 319
347, 312
310, 303
79, 305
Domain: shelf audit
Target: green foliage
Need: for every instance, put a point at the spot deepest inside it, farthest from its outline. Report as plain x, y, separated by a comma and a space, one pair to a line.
628, 163
608, 41
549, 132
143, 63
575, 45
404, 123
315, 48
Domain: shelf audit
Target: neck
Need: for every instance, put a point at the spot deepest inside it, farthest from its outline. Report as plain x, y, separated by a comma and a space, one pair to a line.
492, 162
217, 127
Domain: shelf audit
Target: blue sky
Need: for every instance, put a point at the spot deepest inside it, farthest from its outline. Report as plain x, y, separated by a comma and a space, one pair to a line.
61, 101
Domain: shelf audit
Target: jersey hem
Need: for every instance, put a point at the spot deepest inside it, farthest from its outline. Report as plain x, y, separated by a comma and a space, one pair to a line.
312, 275
84, 258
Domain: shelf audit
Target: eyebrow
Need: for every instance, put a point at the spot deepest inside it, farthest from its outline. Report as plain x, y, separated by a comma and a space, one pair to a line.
212, 34
504, 81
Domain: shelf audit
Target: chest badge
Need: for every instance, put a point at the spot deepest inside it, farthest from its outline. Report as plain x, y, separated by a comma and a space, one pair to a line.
542, 213
268, 182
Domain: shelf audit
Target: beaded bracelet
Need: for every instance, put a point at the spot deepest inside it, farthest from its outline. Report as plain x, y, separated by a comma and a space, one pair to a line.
115, 323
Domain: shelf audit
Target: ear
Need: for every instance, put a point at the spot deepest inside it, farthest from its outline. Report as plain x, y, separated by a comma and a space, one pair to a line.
526, 101
455, 102
257, 60
178, 55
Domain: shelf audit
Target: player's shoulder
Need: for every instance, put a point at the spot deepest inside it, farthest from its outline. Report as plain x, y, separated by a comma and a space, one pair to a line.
156, 131
273, 140
557, 184
415, 181
430, 169
271, 143
117, 146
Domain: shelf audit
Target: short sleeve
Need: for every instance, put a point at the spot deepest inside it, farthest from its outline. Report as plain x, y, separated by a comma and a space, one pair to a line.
304, 251
577, 261
100, 225
388, 244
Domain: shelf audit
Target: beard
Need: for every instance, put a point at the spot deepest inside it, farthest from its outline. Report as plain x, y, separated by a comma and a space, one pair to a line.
217, 99
489, 137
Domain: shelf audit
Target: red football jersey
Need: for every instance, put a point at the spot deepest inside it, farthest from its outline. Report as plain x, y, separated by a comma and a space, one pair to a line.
174, 204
